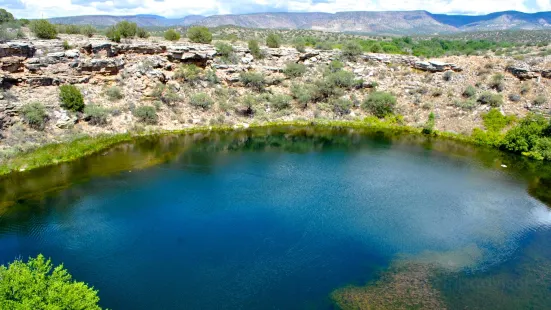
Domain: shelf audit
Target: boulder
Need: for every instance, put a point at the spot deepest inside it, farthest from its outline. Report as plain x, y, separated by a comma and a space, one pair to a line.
12, 64
110, 66
143, 48
64, 120
18, 49
523, 72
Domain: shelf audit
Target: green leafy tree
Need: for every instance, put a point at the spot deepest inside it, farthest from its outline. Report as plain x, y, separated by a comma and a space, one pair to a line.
113, 34
142, 33
37, 284
273, 40
127, 29
199, 34
254, 48
5, 16
172, 35
71, 98
43, 29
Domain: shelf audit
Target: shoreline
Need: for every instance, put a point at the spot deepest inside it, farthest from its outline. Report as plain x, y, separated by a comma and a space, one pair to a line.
57, 153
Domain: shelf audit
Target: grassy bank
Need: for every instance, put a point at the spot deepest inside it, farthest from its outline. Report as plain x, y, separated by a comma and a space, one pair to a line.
53, 154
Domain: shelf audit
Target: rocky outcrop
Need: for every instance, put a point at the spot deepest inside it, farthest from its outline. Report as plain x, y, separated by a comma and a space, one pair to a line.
436, 66
18, 49
110, 66
12, 64
199, 55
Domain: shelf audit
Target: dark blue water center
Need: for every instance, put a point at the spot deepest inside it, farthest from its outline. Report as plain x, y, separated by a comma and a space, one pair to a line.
228, 227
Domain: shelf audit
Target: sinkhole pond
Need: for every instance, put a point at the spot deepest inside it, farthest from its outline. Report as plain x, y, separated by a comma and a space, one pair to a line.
291, 218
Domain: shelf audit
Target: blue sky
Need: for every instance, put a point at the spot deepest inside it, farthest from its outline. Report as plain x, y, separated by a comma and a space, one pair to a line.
180, 8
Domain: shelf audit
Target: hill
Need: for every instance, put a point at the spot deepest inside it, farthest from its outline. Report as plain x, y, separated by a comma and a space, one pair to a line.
403, 22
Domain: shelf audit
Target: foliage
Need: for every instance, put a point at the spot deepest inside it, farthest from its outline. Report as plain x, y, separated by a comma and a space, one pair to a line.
302, 93
343, 79
540, 100
294, 70
127, 29
448, 75
165, 93
34, 114
495, 121
96, 115
5, 16
43, 29
201, 100
225, 51
497, 82
525, 137
252, 79
469, 92
66, 45
335, 66
280, 102
300, 45
273, 40
254, 48
88, 31
71, 98
199, 34
493, 100
210, 75
428, 129
114, 93
380, 104
146, 114
342, 106
189, 72
247, 105
172, 35
37, 284
142, 33
351, 50
113, 34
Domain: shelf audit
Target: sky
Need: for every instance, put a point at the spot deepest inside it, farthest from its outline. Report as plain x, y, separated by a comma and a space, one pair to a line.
181, 8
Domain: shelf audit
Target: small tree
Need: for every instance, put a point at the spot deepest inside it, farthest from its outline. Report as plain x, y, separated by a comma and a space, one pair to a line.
293, 70
43, 29
224, 50
300, 45
273, 40
5, 16
253, 80
71, 98
113, 34
127, 29
254, 48
142, 33
380, 104
88, 31
199, 34
351, 50
37, 284
172, 35
35, 115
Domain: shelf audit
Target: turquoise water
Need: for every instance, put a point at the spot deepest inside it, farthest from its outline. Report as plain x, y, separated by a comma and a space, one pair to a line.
272, 220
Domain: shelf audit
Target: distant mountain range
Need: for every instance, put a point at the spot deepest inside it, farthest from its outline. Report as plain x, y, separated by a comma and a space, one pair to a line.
391, 22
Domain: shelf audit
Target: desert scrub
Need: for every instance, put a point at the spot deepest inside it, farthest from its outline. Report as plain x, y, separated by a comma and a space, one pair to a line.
225, 51
342, 106
114, 93
428, 128
199, 34
294, 70
88, 30
273, 40
255, 50
34, 114
493, 100
96, 115
467, 104
189, 73
540, 100
71, 98
302, 93
380, 104
253, 80
300, 45
146, 114
201, 100
469, 92
172, 35
43, 29
246, 106
165, 94
280, 102
351, 50
497, 82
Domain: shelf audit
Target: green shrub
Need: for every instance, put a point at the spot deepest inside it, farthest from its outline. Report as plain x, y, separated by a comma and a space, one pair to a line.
351, 50
199, 34
252, 79
66, 45
524, 137
380, 104
71, 29
254, 48
189, 72
493, 100
71, 98
300, 45
335, 66
224, 50
280, 102
201, 100
525, 88
43, 29
113, 34
469, 92
34, 114
172, 35
497, 82
210, 76
247, 105
165, 94
114, 93
490, 138
342, 106
468, 104
343, 79
96, 115
127, 29
495, 121
88, 31
142, 33
428, 129
294, 70
5, 16
540, 100
37, 284
273, 40
146, 114
302, 93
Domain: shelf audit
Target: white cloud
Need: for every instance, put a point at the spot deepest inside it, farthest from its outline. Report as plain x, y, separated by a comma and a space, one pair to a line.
180, 8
